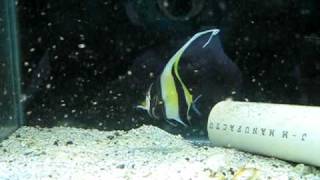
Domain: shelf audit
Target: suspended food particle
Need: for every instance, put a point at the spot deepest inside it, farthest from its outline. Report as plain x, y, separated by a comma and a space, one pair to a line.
94, 102
81, 46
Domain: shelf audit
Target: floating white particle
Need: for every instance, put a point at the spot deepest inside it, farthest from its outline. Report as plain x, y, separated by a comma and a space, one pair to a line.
66, 116
165, 4
32, 49
23, 98
94, 102
48, 86
151, 74
29, 113
61, 38
129, 73
81, 46
39, 39
128, 50
121, 77
26, 63
73, 111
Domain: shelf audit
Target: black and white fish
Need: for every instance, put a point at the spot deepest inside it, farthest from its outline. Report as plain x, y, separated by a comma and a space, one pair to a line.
170, 97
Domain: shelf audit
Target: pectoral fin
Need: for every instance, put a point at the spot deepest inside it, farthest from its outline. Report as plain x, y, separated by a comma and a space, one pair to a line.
194, 106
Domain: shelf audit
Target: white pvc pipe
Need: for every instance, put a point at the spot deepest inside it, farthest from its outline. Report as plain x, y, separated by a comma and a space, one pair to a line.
288, 132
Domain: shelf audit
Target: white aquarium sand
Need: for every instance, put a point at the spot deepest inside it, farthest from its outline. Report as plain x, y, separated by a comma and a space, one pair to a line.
144, 153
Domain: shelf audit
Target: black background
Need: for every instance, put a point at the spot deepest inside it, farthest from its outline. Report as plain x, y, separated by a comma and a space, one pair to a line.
276, 45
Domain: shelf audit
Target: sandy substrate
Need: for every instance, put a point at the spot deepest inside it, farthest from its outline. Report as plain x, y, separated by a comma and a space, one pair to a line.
143, 153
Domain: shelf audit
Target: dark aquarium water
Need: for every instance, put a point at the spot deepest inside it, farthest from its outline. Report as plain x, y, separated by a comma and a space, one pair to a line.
119, 64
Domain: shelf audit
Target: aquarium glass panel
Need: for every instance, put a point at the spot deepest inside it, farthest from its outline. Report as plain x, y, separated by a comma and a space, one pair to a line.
119, 64
10, 109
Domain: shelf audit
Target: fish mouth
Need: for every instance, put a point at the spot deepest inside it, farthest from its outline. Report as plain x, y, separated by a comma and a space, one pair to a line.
181, 10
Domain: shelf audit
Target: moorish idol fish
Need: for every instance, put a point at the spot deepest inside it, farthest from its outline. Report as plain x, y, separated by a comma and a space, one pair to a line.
169, 97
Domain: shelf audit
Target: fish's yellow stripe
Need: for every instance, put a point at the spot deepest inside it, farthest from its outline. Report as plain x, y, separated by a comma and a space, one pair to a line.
169, 93
168, 86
